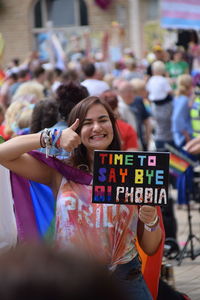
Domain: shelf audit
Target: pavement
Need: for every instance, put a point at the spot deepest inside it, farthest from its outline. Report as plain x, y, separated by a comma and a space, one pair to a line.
186, 272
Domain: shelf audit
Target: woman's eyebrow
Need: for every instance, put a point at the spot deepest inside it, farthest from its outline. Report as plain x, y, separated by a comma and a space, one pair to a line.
100, 117
103, 116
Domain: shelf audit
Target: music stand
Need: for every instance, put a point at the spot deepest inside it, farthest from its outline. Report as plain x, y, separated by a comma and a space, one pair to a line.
189, 241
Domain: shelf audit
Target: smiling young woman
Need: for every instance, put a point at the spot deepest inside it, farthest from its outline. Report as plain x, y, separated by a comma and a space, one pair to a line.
97, 129
107, 232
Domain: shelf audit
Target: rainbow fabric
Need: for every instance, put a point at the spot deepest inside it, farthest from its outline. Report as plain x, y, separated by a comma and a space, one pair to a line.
34, 209
2, 77
35, 203
177, 164
35, 213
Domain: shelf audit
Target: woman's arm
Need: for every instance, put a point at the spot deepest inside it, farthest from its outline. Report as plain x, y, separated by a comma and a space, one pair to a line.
14, 156
149, 240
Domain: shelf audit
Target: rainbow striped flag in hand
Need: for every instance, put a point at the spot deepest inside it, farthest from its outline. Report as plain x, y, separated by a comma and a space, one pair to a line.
180, 160
177, 164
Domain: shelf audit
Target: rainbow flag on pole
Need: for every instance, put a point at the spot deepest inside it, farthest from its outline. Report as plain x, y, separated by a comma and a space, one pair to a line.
180, 160
177, 164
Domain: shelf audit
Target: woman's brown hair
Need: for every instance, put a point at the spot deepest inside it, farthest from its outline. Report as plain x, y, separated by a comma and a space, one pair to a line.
79, 155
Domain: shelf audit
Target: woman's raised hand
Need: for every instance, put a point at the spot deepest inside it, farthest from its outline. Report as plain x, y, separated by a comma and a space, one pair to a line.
69, 138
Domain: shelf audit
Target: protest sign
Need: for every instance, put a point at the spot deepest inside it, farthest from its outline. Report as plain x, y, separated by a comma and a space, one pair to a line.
130, 177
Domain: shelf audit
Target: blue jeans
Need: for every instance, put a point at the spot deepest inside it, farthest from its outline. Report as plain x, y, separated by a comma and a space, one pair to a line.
131, 281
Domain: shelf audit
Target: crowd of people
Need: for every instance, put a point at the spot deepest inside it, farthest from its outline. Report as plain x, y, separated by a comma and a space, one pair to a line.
128, 105
144, 92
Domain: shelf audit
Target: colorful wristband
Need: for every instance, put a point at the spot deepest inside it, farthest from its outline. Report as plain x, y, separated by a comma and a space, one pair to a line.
56, 137
150, 229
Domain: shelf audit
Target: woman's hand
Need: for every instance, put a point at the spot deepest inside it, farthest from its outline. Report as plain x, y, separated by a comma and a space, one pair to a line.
193, 146
69, 138
147, 213
149, 240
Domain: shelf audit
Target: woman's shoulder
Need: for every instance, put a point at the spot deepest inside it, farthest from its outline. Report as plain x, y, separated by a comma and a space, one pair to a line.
64, 168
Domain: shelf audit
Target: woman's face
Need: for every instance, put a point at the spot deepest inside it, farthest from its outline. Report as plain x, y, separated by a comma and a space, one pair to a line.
97, 130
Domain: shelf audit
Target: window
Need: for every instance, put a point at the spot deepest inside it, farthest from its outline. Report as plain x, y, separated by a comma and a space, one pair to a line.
38, 15
61, 13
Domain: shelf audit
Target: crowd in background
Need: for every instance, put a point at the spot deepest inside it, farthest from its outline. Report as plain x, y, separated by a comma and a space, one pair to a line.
156, 96
156, 100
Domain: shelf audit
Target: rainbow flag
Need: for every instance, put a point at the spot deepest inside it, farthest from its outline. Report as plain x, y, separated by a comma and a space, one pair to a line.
180, 160
177, 164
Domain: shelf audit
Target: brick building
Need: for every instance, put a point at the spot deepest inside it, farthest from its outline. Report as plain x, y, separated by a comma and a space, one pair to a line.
22, 21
